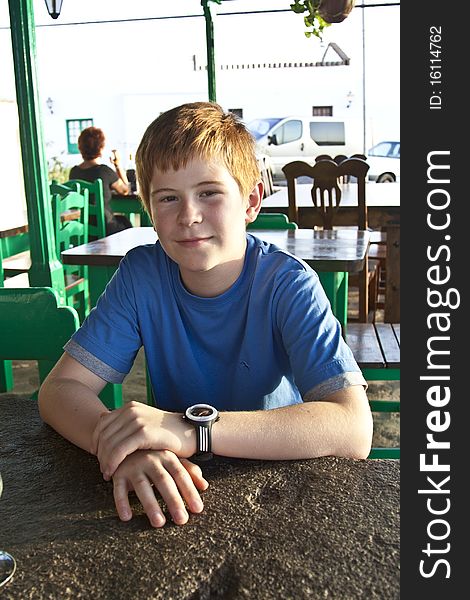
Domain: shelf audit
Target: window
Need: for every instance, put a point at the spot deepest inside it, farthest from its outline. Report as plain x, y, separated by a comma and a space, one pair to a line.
74, 128
322, 111
289, 132
328, 134
388, 149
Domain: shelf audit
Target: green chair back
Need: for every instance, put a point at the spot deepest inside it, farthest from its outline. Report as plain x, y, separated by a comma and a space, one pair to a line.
33, 326
71, 232
271, 221
96, 214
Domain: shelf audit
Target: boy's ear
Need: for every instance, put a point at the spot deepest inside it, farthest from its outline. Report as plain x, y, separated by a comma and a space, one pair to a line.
254, 202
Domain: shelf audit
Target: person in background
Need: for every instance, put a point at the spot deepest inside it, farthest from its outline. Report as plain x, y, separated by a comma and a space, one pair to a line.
91, 144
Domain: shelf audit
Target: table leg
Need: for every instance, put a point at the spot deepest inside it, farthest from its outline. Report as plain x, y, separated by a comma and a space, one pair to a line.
145, 220
98, 277
6, 369
342, 302
6, 376
335, 285
111, 395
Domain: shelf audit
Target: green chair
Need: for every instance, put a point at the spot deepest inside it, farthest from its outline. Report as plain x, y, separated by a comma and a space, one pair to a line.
33, 326
96, 214
68, 234
111, 395
14, 255
271, 221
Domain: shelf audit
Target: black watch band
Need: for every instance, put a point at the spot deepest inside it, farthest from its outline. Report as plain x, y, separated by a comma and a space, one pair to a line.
202, 417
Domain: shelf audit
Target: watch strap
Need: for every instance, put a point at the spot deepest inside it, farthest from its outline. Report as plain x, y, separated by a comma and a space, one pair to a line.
204, 440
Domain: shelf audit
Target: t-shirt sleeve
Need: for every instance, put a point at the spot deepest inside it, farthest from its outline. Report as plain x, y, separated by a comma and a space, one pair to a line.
320, 359
109, 338
108, 175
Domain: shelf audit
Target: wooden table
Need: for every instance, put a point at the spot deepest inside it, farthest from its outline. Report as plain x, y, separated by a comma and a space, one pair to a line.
333, 254
320, 528
383, 204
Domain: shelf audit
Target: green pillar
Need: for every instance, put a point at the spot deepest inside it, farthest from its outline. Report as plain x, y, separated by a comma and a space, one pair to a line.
210, 47
46, 270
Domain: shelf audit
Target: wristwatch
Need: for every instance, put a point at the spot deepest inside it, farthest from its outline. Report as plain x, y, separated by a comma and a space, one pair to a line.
202, 416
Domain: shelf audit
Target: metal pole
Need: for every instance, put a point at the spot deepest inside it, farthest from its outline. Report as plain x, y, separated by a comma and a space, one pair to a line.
46, 270
210, 49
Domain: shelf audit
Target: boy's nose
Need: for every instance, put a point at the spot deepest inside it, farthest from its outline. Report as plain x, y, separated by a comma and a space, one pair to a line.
189, 213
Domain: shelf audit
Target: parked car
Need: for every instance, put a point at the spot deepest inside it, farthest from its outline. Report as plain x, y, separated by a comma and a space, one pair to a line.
384, 162
285, 139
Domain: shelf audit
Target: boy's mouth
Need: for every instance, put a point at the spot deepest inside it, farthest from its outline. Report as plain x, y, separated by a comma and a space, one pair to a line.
194, 241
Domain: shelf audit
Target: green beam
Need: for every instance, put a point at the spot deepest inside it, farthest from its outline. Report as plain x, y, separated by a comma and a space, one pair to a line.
210, 48
46, 270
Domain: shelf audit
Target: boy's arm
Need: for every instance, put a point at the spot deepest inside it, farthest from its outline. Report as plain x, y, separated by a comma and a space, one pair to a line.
68, 401
339, 425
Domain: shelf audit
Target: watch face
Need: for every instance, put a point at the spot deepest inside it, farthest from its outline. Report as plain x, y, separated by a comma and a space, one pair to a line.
201, 412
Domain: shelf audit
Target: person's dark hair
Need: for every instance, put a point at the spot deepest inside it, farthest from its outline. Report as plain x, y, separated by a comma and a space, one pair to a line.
91, 142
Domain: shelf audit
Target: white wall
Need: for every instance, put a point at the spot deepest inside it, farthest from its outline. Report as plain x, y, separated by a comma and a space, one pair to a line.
124, 74
13, 203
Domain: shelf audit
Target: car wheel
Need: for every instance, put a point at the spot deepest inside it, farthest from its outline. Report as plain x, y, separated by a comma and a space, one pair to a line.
385, 178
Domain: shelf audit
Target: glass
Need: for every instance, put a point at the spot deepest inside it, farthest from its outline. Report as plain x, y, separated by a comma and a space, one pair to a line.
7, 562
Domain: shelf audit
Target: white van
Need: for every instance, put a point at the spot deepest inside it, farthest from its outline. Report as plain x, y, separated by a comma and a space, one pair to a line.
302, 138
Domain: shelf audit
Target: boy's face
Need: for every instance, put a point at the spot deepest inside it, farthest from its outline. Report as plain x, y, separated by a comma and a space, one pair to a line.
200, 217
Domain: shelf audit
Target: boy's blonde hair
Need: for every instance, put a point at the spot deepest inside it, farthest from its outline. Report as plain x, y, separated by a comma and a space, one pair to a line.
196, 130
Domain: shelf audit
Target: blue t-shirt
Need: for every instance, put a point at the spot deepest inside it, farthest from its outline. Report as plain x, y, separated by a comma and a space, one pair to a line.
264, 343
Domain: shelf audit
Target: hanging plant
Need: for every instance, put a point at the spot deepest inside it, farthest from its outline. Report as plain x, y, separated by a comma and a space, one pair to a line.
321, 13
335, 11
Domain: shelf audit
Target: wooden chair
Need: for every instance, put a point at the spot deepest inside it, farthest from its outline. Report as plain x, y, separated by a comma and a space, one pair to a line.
33, 326
266, 177
271, 221
96, 215
326, 198
323, 157
68, 234
339, 158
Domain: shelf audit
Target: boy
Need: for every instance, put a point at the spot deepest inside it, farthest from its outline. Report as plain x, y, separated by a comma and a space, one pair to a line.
227, 321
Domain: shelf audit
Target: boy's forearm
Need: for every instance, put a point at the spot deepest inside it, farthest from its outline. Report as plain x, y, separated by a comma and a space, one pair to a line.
72, 409
305, 430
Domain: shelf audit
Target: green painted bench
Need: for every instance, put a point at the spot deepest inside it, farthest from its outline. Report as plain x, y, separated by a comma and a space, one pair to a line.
376, 348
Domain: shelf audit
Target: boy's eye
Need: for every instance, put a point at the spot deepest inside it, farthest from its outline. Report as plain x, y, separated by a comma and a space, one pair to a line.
167, 198
208, 193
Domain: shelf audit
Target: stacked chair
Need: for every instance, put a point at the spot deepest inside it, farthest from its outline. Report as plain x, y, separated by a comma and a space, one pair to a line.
326, 198
69, 233
271, 221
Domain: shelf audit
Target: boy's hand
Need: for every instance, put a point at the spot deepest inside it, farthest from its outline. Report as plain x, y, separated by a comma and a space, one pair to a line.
136, 426
175, 479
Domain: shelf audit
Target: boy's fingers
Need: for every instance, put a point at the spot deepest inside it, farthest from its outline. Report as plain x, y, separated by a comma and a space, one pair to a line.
146, 495
95, 436
121, 499
195, 472
186, 486
171, 496
169, 476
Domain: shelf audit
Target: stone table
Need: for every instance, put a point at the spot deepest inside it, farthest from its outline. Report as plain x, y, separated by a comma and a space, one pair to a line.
324, 528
